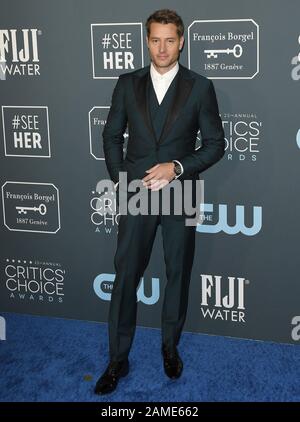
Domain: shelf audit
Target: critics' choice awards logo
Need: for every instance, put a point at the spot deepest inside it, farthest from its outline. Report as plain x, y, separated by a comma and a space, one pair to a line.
19, 54
216, 224
242, 136
116, 47
224, 49
103, 285
97, 119
26, 131
223, 298
296, 64
33, 280
31, 207
104, 215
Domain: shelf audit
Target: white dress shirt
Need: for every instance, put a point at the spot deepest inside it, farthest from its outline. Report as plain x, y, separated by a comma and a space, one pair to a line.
161, 84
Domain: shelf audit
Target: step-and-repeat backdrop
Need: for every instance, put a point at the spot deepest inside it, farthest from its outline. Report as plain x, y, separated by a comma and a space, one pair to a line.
59, 63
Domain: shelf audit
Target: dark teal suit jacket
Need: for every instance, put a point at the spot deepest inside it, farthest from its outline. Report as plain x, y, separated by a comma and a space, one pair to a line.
194, 107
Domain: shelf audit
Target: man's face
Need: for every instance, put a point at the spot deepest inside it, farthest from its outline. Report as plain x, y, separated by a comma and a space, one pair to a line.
164, 45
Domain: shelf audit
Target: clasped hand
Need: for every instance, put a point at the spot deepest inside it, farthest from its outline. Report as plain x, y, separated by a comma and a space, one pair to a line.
159, 176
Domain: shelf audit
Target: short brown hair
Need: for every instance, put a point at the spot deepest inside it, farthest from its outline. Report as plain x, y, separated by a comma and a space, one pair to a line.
165, 16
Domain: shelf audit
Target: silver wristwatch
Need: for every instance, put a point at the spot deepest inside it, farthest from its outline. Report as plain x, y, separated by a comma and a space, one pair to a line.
177, 168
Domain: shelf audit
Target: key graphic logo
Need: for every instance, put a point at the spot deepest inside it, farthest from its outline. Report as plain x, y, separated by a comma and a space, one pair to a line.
224, 49
31, 207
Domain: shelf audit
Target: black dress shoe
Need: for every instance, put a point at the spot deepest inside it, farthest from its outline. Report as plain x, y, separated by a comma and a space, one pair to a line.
172, 363
108, 381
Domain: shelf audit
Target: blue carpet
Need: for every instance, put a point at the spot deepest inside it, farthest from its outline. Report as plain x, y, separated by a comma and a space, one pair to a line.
51, 359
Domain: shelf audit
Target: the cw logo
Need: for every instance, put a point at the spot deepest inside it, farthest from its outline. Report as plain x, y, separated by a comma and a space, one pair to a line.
103, 282
222, 224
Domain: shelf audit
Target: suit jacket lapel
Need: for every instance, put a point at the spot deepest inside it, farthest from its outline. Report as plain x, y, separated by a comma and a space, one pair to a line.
182, 91
141, 88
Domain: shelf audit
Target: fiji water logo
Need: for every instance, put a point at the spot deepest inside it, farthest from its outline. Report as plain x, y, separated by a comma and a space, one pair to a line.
222, 224
223, 298
103, 285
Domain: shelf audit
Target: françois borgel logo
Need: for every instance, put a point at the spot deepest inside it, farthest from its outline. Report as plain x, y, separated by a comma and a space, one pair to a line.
19, 54
26, 131
31, 207
223, 298
33, 280
224, 49
116, 48
97, 119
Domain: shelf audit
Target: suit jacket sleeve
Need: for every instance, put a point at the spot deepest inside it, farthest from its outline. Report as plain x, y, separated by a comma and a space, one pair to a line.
113, 133
212, 134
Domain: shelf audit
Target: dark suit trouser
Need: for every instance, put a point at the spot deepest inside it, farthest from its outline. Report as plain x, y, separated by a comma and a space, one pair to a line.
136, 236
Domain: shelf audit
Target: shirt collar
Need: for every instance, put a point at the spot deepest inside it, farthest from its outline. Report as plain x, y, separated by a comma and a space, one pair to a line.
166, 76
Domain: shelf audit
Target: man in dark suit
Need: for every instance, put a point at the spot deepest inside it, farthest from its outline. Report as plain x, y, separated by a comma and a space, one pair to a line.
164, 105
